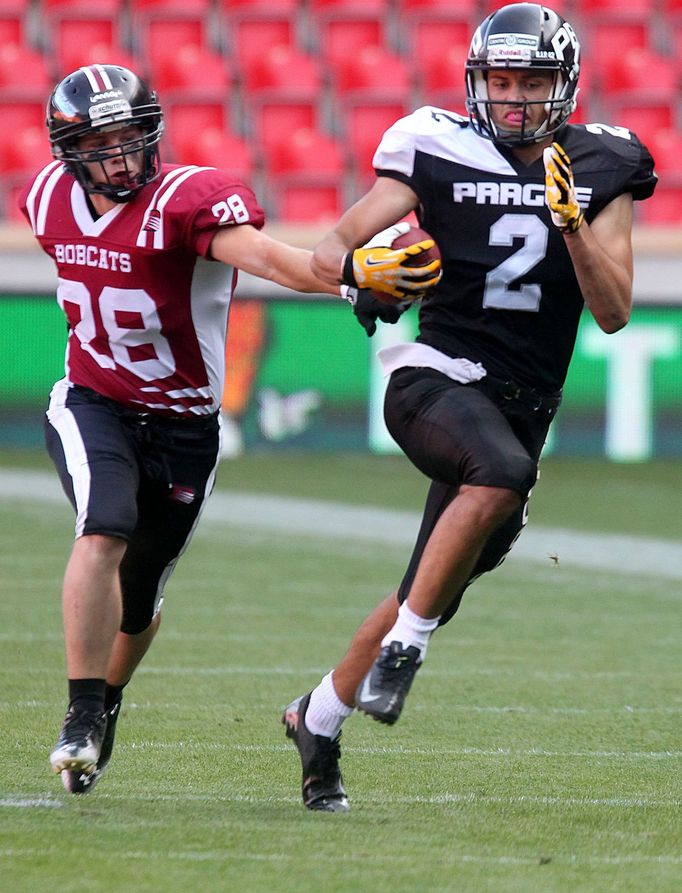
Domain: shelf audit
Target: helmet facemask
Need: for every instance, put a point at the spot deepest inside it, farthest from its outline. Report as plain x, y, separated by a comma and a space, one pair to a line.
77, 160
557, 106
523, 37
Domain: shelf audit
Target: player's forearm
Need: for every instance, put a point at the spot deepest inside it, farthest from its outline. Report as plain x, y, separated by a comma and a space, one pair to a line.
298, 275
328, 257
290, 267
605, 281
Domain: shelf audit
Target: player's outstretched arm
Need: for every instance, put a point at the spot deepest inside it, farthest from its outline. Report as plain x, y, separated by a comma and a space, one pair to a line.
257, 253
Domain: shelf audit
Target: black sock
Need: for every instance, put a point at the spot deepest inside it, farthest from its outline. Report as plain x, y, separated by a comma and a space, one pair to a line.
87, 694
113, 695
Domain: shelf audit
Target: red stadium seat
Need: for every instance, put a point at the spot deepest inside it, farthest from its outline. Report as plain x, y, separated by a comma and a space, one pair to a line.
639, 9
25, 70
563, 7
307, 151
349, 9
372, 71
186, 119
191, 69
430, 34
213, 147
17, 116
77, 34
305, 176
341, 34
13, 20
28, 151
73, 36
464, 8
21, 157
606, 41
281, 94
664, 208
284, 69
442, 79
666, 147
641, 118
232, 7
364, 125
161, 34
102, 7
250, 31
316, 200
193, 8
639, 72
274, 121
101, 52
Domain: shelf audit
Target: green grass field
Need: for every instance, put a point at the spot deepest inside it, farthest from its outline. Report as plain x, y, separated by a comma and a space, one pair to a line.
539, 749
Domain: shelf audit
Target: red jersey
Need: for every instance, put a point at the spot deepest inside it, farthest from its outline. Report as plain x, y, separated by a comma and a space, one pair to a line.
147, 310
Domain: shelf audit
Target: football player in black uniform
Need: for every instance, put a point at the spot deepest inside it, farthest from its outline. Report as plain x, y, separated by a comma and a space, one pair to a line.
533, 218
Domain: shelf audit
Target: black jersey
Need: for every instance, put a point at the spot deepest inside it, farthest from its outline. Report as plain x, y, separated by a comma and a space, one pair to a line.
509, 297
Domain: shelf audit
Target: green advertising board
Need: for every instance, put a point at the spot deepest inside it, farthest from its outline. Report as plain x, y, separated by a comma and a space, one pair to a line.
312, 380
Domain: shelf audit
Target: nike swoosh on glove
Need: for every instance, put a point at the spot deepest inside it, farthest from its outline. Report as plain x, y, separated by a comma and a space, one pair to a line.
379, 267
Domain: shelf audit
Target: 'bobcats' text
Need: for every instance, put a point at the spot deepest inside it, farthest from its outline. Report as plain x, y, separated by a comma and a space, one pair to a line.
91, 256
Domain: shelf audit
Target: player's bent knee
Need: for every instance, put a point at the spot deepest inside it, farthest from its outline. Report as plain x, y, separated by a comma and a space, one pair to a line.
139, 617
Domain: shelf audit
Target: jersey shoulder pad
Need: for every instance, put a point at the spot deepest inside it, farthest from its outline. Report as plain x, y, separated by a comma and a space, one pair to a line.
430, 119
616, 148
427, 125
210, 197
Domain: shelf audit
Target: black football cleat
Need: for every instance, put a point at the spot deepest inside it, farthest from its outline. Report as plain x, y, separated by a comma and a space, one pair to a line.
78, 782
382, 692
79, 744
322, 783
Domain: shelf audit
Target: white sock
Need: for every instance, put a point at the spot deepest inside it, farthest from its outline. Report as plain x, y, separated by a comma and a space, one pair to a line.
411, 629
326, 711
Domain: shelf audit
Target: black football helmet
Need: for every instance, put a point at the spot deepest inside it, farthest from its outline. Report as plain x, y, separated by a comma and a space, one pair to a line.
99, 98
518, 36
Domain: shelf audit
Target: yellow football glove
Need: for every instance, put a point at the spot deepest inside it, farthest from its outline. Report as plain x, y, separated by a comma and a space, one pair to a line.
395, 272
560, 190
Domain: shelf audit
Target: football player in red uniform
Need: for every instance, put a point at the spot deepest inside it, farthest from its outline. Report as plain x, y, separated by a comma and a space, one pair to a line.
133, 427
532, 216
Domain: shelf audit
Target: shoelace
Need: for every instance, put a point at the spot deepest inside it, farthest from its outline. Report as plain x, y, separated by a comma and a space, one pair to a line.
81, 723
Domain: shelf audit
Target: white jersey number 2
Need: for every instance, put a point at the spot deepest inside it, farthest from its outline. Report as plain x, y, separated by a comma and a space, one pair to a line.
498, 295
132, 325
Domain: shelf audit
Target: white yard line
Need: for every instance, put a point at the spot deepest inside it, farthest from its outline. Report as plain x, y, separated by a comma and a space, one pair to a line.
316, 518
293, 858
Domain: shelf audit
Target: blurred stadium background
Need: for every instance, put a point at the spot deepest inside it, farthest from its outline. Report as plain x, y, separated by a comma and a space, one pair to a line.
293, 97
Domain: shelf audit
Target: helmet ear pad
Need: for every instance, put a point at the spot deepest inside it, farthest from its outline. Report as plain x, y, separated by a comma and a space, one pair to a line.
523, 36
105, 97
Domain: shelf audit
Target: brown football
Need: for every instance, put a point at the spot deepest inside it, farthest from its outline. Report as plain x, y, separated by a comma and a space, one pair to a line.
414, 234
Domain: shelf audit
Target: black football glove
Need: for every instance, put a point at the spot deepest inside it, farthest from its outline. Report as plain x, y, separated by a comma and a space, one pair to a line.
368, 309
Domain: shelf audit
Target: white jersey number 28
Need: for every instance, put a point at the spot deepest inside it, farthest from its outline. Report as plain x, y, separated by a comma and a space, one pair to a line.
137, 346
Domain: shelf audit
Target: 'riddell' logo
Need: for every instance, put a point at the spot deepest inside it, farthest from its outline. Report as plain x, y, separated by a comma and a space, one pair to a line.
109, 94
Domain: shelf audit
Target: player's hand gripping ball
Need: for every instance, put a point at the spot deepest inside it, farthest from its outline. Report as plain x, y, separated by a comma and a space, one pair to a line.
400, 263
